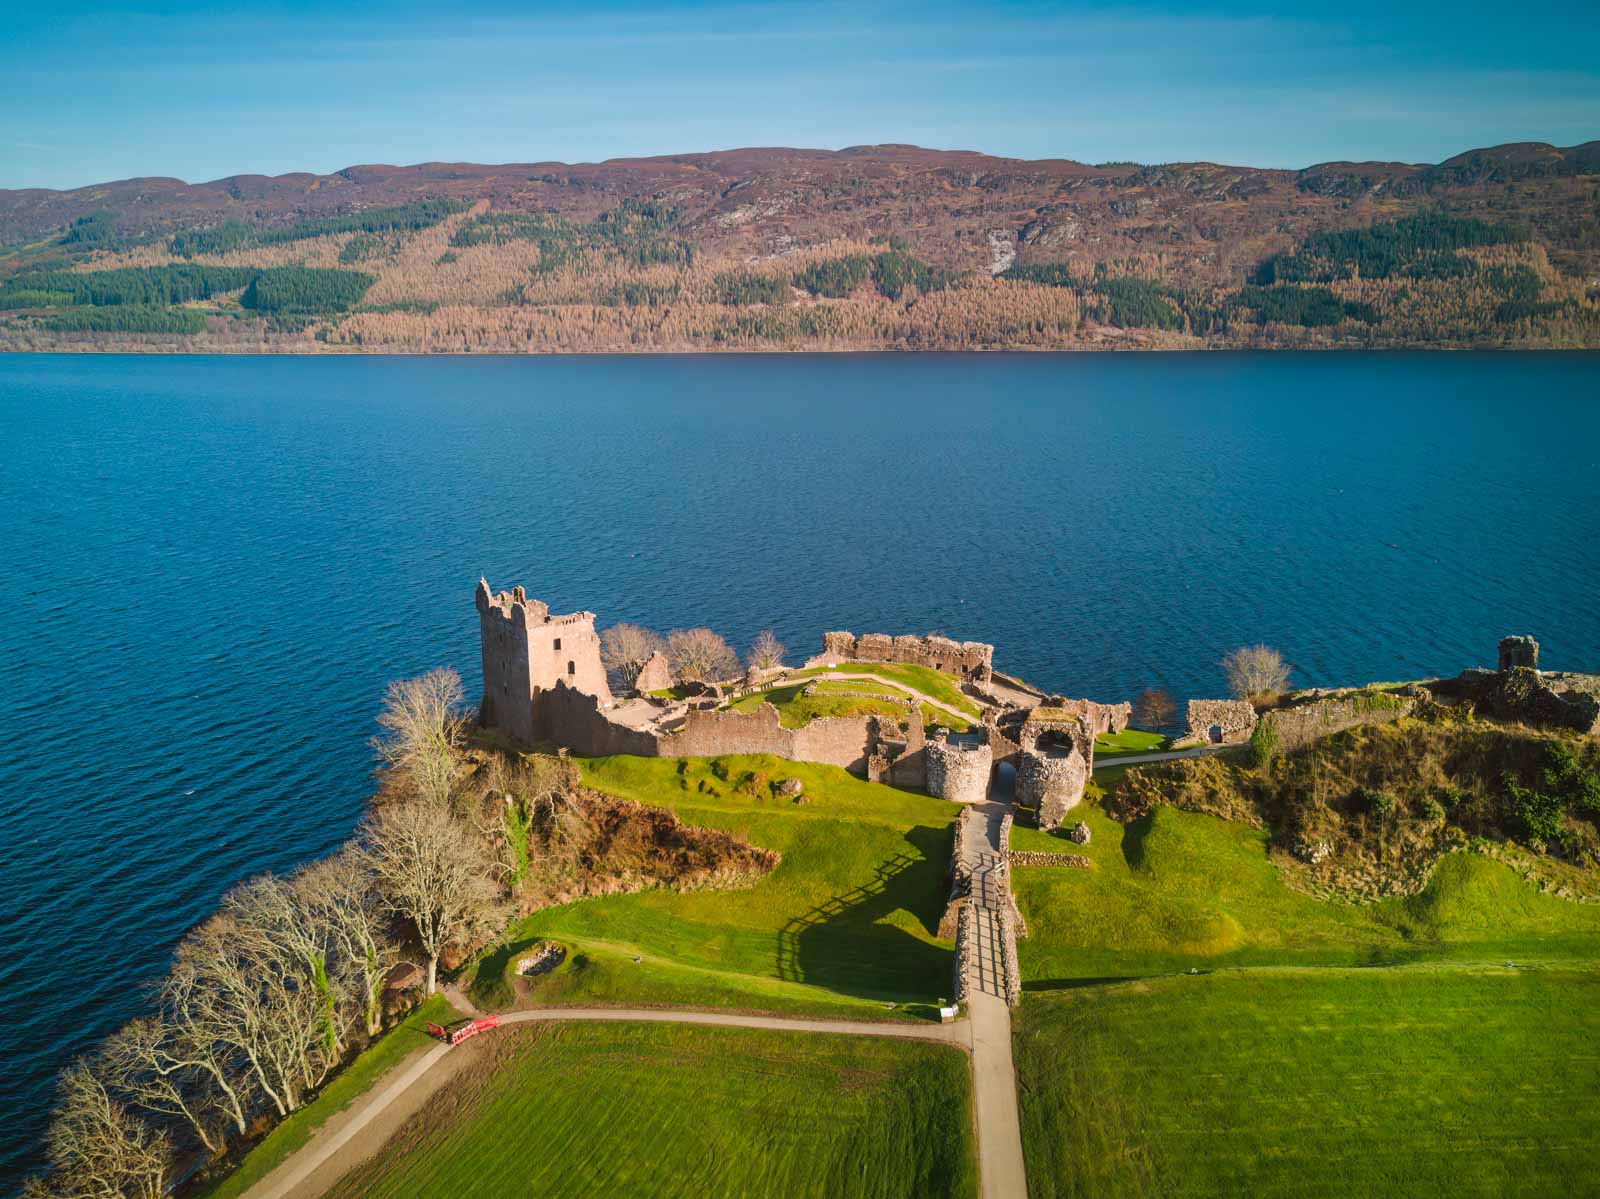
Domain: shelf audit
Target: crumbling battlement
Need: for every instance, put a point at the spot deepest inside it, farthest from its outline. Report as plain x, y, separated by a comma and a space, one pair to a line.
526, 651
1518, 651
970, 659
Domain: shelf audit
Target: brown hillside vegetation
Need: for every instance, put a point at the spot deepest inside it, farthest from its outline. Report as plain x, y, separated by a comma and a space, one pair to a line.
1366, 812
870, 247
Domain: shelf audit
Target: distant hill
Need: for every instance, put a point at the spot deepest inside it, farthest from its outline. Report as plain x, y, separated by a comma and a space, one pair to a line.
871, 246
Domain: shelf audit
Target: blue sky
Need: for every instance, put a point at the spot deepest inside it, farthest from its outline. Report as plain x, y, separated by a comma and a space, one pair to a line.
92, 91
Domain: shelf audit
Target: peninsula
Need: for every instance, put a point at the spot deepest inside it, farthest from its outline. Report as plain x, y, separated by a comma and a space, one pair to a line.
892, 921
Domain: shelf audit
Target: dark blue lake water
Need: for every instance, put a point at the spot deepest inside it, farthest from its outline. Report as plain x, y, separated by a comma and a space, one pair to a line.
213, 565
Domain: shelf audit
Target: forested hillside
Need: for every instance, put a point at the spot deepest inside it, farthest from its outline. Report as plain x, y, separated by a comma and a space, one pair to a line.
872, 247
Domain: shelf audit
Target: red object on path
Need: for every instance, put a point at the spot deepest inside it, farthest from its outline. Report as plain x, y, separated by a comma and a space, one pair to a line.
461, 1032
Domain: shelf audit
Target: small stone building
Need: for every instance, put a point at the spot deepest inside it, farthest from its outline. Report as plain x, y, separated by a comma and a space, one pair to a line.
1219, 721
958, 768
1518, 651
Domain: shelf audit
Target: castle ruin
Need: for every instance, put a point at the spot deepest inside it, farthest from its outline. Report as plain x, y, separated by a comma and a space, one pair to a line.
544, 683
527, 651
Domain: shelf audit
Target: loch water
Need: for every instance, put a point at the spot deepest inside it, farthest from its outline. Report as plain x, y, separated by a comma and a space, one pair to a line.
212, 565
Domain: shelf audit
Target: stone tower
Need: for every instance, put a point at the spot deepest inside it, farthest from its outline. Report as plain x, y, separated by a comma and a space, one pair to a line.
1519, 651
525, 651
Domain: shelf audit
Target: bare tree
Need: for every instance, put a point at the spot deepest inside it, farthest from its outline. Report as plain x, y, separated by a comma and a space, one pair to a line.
433, 871
248, 993
625, 648
1155, 709
701, 655
189, 1044
143, 1063
1256, 672
423, 723
339, 895
766, 653
98, 1148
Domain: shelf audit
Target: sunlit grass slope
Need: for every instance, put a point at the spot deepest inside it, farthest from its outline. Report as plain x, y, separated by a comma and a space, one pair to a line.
1437, 1080
648, 1110
1176, 890
847, 920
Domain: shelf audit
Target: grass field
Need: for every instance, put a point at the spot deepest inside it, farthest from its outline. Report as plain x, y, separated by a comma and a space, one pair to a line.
844, 698
659, 1110
1414, 1081
401, 1042
1176, 890
845, 924
1129, 741
932, 683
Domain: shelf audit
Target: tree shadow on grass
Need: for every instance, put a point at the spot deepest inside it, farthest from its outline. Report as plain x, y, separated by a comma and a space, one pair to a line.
841, 945
1133, 836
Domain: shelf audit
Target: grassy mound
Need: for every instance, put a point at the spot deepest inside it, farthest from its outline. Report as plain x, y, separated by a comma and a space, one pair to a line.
1129, 741
1177, 890
672, 1110
1418, 1081
846, 922
843, 698
932, 683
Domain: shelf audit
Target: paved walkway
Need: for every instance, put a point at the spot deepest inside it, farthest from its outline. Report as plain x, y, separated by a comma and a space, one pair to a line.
1198, 751
1001, 1172
289, 1180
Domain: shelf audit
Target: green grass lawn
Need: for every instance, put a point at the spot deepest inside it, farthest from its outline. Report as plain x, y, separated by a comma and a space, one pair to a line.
846, 923
1176, 890
1129, 741
844, 698
932, 683
1413, 1081
647, 1110
400, 1043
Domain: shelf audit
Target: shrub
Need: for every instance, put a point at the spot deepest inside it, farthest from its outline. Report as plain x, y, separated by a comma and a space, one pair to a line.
1538, 815
1432, 810
1451, 797
1263, 743
1377, 801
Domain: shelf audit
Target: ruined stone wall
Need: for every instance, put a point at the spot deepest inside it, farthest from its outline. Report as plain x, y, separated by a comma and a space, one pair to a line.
835, 740
969, 659
574, 720
1051, 782
1039, 857
958, 772
1289, 729
1549, 701
655, 674
1102, 718
1234, 717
